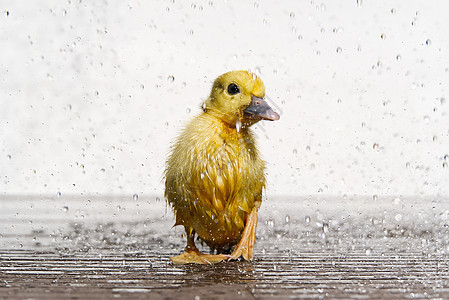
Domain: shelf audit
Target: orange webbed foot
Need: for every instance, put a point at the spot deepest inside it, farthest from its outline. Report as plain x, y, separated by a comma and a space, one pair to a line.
197, 257
245, 247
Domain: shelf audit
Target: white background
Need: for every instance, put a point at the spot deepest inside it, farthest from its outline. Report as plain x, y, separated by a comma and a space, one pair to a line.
93, 92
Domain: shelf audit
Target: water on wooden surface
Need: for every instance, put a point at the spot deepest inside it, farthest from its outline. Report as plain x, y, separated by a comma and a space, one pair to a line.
306, 246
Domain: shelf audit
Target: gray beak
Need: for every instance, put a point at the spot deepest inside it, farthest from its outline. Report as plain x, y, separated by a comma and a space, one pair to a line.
259, 109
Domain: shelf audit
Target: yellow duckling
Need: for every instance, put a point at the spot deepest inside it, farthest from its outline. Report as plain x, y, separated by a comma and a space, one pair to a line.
215, 176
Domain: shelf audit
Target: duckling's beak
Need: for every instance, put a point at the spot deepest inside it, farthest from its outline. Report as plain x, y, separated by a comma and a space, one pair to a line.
259, 109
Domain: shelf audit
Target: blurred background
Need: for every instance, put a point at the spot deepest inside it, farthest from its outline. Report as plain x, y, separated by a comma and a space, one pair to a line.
92, 93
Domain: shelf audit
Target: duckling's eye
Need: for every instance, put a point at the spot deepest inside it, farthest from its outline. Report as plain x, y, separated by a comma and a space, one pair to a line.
233, 89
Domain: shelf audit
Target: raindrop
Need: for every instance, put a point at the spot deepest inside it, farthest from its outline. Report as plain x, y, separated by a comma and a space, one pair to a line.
307, 220
446, 157
65, 208
158, 199
325, 227
339, 101
359, 3
21, 245
397, 201
393, 11
435, 138
368, 251
339, 50
9, 156
6, 13
142, 86
442, 100
188, 110
398, 57
375, 146
287, 219
171, 78
292, 15
299, 37
375, 197
383, 36
426, 119
363, 124
191, 32
238, 125
445, 165
270, 222
428, 42
295, 151
202, 175
398, 217
135, 197
59, 194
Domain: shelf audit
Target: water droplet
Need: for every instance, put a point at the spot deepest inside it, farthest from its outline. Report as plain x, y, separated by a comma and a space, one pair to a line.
445, 165
339, 101
435, 138
407, 164
6, 13
446, 157
21, 245
287, 219
363, 124
142, 86
166, 124
171, 78
428, 42
368, 251
238, 125
442, 100
393, 11
339, 50
325, 227
292, 15
202, 175
359, 3
383, 36
158, 199
397, 201
398, 217
307, 220
375, 197
398, 57
299, 37
270, 223
426, 119
188, 110
65, 208
135, 197
375, 146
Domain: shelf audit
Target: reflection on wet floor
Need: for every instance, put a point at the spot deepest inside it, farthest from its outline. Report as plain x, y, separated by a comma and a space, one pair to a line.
306, 247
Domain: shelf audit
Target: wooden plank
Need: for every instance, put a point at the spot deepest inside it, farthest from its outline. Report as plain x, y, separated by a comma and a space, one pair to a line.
306, 248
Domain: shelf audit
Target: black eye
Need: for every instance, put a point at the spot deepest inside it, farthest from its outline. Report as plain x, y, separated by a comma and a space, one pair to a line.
233, 89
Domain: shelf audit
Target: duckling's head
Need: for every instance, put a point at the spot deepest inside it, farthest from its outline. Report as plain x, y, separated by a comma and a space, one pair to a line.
238, 97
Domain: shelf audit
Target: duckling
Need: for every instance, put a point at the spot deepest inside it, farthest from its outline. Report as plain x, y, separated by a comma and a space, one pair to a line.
214, 174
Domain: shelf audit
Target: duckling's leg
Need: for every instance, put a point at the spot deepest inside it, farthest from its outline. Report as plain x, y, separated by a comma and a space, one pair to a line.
192, 255
246, 245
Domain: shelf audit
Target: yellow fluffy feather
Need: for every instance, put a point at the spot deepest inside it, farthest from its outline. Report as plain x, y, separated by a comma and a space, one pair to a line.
214, 174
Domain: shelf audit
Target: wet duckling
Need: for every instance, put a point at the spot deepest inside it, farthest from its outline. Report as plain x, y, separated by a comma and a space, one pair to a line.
214, 174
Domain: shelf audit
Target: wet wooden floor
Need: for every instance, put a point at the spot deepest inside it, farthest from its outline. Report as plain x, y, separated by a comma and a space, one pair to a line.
105, 247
